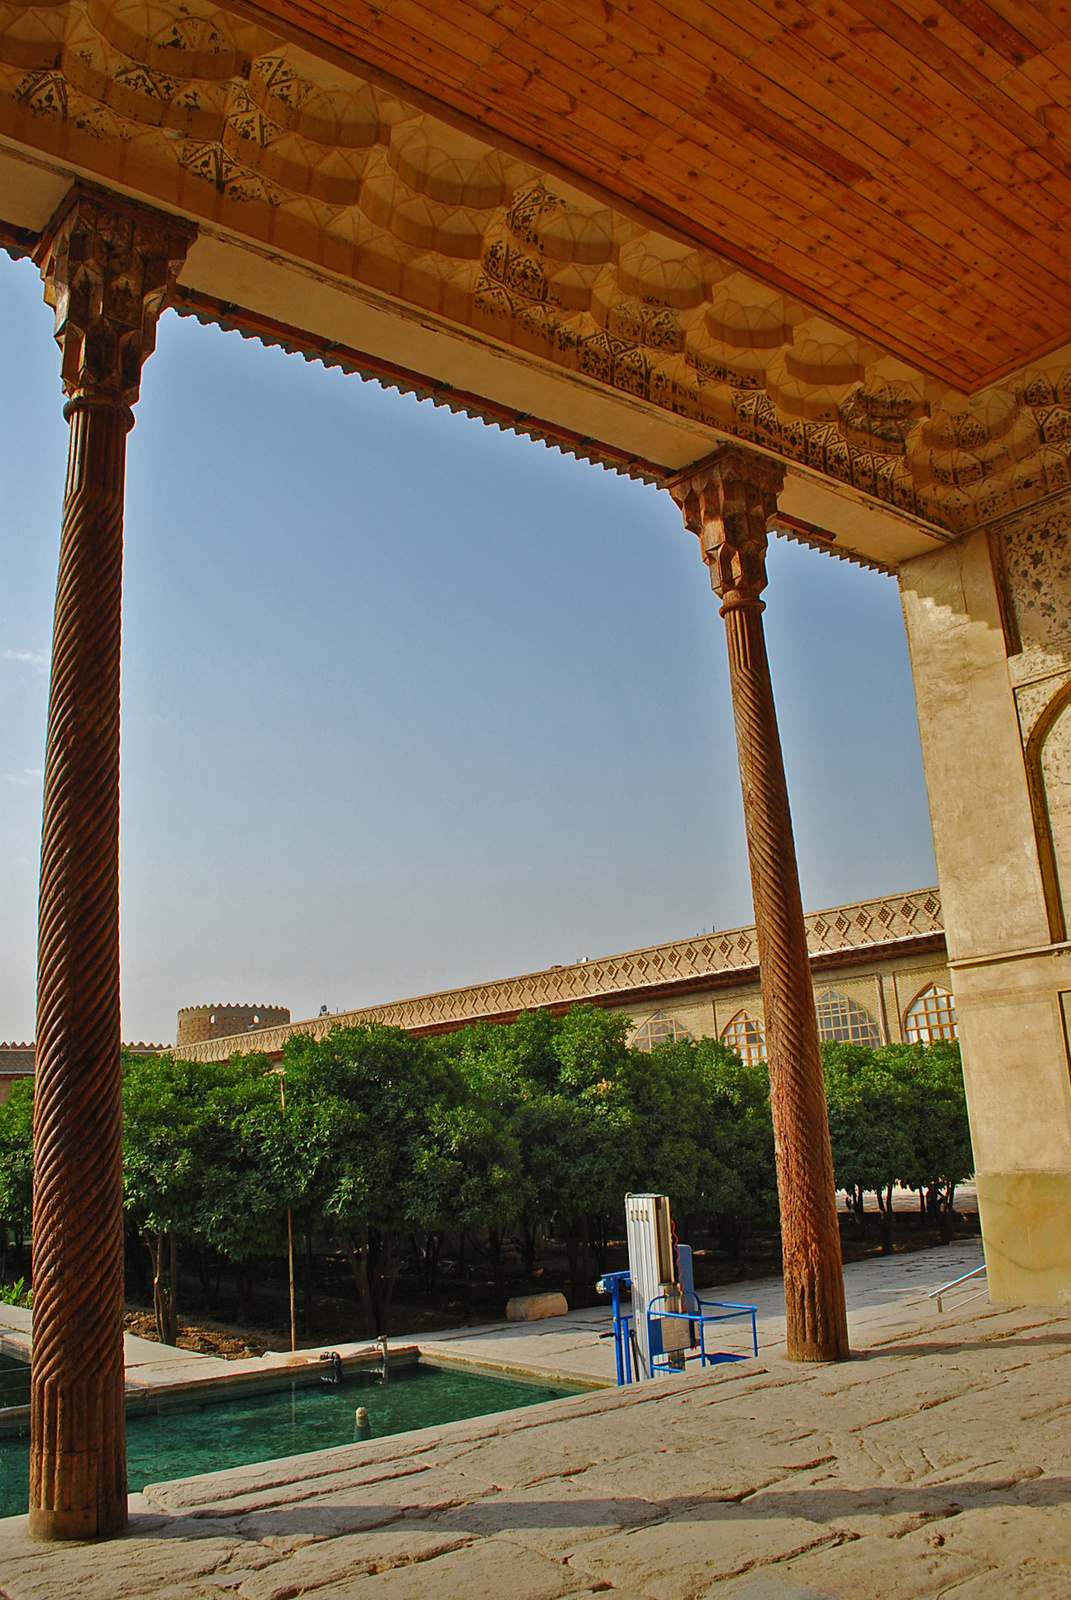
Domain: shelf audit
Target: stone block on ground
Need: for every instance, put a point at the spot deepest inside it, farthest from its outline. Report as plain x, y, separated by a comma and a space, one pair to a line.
533, 1307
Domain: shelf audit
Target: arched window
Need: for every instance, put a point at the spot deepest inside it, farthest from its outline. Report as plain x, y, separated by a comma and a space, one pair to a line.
840, 1018
931, 1015
747, 1036
660, 1028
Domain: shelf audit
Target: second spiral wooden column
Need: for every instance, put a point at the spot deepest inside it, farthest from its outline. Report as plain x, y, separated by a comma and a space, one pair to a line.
727, 501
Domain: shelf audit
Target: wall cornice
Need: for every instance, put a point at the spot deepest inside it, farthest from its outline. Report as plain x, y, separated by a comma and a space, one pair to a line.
904, 924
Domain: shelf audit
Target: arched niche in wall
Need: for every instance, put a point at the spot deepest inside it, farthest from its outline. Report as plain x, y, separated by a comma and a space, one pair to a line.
842, 1018
660, 1028
746, 1035
1048, 768
931, 1015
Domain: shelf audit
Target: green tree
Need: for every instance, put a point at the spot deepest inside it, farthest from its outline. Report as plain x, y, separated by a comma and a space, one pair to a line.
161, 1116
574, 1129
872, 1126
380, 1093
943, 1155
16, 1168
470, 1173
737, 1172
205, 1165
248, 1168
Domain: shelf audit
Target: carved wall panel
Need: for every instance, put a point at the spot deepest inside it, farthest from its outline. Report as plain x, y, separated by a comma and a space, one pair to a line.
1054, 759
194, 107
1036, 552
1036, 547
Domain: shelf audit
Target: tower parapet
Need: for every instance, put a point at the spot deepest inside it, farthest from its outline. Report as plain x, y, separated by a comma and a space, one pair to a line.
196, 1023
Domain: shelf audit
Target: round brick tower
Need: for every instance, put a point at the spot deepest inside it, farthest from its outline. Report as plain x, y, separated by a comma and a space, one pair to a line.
220, 1022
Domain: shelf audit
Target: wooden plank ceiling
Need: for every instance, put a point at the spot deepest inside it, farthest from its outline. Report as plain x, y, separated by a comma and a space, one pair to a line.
903, 168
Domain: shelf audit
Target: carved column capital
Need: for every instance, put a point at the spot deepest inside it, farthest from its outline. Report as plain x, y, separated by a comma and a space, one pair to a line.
108, 264
727, 501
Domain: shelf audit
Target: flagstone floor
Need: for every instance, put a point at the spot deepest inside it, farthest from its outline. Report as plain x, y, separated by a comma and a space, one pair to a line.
937, 1463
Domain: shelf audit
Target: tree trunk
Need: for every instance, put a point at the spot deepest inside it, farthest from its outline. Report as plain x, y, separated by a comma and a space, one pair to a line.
164, 1294
530, 1235
577, 1249
948, 1209
134, 1240
309, 1261
886, 1209
494, 1249
384, 1277
204, 1277
859, 1207
243, 1282
356, 1248
600, 1245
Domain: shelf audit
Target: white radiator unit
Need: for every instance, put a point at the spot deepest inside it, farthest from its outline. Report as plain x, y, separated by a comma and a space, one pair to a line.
653, 1271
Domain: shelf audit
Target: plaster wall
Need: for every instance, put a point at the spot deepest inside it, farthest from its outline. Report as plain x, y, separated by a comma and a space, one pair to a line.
991, 655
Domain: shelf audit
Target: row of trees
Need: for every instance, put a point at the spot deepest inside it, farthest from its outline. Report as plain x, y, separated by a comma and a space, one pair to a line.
384, 1146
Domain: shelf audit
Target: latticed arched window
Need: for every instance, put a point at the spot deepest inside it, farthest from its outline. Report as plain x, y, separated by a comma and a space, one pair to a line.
660, 1028
747, 1036
932, 1015
840, 1018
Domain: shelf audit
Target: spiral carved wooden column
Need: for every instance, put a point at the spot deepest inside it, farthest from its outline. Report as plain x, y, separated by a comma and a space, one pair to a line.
107, 266
727, 501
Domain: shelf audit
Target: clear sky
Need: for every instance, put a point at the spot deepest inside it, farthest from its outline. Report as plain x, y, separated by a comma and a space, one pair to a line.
409, 702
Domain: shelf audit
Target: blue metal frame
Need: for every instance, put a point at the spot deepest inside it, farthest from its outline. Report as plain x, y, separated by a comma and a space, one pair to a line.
612, 1283
697, 1312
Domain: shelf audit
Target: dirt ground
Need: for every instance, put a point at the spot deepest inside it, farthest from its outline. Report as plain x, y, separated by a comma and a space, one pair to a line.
328, 1312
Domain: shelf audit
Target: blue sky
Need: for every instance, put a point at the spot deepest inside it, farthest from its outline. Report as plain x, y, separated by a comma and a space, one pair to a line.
409, 702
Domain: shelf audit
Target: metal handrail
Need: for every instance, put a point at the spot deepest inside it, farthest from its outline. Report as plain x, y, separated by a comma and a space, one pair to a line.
938, 1294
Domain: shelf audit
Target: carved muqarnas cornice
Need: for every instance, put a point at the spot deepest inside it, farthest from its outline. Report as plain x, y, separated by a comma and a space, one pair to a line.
107, 267
197, 108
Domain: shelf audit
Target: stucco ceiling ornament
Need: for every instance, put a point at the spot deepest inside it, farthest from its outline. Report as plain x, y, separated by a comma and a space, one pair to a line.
216, 116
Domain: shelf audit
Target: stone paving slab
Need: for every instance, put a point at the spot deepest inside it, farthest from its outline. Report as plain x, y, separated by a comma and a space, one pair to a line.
935, 1464
875, 1290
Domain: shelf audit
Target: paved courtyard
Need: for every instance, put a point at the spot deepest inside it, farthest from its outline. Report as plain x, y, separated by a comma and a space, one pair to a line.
937, 1463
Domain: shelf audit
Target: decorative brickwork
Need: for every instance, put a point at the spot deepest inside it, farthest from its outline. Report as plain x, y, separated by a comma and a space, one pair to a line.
878, 924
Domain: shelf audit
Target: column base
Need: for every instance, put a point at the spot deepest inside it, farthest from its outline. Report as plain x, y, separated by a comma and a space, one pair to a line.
49, 1526
1026, 1230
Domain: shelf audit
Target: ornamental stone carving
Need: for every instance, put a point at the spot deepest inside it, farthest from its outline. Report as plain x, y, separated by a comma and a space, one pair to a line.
728, 501
107, 267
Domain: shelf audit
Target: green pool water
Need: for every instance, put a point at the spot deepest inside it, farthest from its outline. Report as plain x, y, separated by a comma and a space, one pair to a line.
14, 1382
232, 1433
